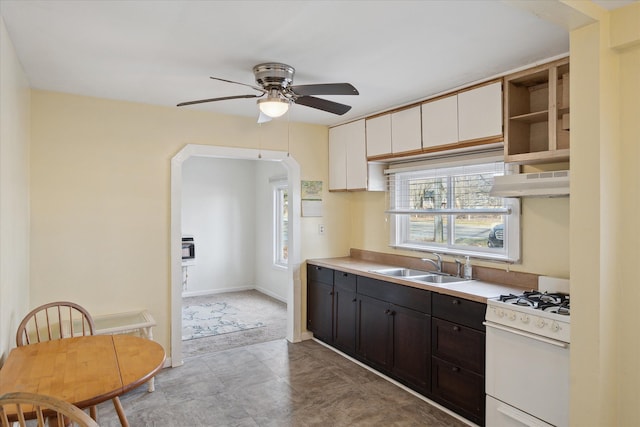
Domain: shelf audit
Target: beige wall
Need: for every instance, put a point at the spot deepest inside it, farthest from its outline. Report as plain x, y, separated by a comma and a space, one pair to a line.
100, 175
605, 196
14, 193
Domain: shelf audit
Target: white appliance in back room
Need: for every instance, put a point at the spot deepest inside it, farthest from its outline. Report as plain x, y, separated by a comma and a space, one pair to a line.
188, 259
527, 360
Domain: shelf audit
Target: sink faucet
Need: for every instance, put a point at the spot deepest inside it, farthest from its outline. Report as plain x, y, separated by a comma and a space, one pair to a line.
458, 267
437, 264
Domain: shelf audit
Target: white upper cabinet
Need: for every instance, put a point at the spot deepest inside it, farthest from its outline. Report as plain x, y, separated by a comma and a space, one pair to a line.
356, 156
337, 158
480, 112
347, 157
406, 135
440, 122
378, 135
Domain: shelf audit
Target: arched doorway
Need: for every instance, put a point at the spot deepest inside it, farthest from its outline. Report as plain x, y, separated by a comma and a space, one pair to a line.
294, 303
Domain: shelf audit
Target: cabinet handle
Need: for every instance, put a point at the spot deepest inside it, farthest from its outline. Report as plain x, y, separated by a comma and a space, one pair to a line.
456, 328
387, 311
455, 369
354, 300
455, 302
345, 274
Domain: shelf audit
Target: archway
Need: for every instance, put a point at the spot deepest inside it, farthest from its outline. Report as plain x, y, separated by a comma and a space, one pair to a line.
294, 303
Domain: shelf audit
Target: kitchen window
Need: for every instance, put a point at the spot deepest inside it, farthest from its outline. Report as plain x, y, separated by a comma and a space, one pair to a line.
446, 207
280, 224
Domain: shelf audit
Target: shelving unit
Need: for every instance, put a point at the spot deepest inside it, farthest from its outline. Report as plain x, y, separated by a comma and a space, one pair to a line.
537, 114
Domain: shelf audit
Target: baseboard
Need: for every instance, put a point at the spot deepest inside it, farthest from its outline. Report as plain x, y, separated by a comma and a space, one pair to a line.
271, 294
214, 291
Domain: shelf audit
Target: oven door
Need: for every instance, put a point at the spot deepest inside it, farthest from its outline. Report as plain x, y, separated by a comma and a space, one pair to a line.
530, 374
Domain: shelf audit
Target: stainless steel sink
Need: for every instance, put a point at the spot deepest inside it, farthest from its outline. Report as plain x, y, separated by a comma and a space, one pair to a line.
401, 272
438, 278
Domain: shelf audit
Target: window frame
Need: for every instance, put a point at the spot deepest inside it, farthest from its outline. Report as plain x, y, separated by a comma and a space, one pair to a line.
279, 226
399, 216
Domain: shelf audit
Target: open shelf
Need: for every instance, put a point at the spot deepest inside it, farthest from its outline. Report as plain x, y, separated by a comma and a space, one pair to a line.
537, 113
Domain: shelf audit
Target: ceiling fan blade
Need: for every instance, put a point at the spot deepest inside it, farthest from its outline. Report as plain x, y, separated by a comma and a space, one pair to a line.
224, 98
325, 89
323, 104
259, 89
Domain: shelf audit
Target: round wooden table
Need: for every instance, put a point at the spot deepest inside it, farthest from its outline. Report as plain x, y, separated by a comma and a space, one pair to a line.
84, 371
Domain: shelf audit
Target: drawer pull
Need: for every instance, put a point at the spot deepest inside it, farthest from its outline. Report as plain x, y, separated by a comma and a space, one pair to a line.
455, 369
455, 301
456, 328
345, 274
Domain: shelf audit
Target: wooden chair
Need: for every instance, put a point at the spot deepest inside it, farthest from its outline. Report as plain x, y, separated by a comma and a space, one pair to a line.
58, 412
55, 320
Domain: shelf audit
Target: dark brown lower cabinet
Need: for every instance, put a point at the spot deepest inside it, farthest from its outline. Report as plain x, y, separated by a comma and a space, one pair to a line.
320, 302
344, 312
433, 343
395, 340
458, 356
411, 341
373, 342
459, 389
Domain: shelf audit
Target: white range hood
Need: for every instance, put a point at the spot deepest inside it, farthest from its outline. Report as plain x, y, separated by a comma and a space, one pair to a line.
538, 184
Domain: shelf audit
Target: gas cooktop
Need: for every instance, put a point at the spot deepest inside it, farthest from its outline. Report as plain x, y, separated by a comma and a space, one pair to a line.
550, 302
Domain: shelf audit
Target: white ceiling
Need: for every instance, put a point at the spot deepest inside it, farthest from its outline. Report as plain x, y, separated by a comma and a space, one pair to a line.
163, 52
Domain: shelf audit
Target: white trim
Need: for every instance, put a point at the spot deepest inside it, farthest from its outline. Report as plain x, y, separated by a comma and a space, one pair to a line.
294, 300
215, 291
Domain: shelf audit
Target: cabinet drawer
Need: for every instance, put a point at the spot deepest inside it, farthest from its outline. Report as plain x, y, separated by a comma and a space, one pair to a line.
458, 388
320, 274
459, 310
416, 299
346, 281
458, 344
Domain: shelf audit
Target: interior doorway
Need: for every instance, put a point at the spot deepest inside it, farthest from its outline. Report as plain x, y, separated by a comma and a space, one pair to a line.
293, 271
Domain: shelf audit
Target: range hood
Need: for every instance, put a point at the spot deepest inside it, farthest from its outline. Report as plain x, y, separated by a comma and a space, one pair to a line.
538, 184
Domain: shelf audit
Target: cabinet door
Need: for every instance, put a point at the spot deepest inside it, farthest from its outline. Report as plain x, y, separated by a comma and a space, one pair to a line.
345, 304
480, 112
440, 122
406, 132
458, 389
356, 165
411, 341
338, 158
374, 332
320, 310
378, 131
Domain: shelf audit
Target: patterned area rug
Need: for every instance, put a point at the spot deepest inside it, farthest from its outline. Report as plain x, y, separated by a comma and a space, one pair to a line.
211, 319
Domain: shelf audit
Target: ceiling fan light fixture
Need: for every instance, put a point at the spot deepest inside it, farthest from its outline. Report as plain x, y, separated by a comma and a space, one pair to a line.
273, 106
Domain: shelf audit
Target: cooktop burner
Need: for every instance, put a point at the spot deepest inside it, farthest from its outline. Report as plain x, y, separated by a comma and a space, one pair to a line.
552, 302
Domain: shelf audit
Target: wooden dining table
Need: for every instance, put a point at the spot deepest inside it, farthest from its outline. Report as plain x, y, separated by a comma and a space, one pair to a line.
85, 370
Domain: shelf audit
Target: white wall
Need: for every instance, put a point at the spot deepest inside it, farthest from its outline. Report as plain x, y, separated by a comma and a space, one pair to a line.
227, 206
15, 121
218, 209
270, 280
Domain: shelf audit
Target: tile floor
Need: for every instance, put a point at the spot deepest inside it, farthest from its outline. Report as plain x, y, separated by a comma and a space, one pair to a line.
274, 383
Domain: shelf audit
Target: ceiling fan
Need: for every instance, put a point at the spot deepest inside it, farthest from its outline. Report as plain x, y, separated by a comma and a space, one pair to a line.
275, 80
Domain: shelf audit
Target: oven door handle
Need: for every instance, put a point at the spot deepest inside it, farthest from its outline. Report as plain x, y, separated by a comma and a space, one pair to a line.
526, 334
